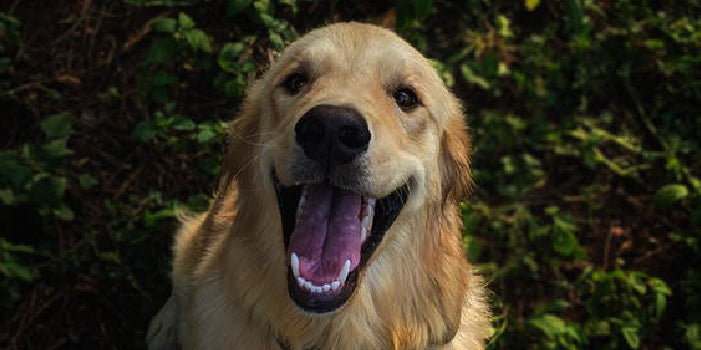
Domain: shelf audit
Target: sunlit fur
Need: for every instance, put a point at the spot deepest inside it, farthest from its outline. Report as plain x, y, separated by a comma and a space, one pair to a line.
418, 292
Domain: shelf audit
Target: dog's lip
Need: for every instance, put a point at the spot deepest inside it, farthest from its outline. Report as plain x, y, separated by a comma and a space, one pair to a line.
409, 182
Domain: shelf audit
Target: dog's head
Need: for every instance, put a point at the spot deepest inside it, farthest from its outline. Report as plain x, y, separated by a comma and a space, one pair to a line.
350, 130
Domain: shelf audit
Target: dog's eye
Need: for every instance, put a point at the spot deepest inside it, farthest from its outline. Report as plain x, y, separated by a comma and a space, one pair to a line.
406, 99
294, 82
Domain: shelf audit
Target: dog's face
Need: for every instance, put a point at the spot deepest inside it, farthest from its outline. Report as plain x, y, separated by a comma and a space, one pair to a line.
352, 128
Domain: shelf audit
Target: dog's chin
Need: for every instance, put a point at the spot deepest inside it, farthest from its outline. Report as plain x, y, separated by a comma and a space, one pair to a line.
330, 235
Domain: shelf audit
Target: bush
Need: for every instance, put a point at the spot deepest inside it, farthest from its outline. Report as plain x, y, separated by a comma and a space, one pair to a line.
584, 114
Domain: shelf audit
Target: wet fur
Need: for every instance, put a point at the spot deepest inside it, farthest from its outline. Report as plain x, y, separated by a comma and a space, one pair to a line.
418, 292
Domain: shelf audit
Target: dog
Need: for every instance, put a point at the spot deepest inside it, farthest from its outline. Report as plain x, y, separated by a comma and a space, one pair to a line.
336, 222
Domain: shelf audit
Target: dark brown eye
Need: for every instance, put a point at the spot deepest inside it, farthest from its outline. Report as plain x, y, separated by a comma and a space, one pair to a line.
406, 99
294, 82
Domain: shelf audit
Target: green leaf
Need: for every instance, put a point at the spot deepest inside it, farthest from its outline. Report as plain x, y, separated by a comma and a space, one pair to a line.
144, 131
185, 21
692, 335
9, 29
472, 77
599, 328
55, 149
564, 240
504, 26
151, 218
630, 334
86, 181
669, 194
473, 248
575, 16
228, 57
48, 190
57, 125
164, 25
550, 325
411, 11
182, 123
12, 270
16, 248
205, 134
162, 51
7, 196
198, 203
163, 79
531, 4
64, 212
198, 40
12, 170
275, 40
234, 7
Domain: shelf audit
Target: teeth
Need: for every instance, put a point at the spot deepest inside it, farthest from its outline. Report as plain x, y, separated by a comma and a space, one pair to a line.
326, 287
366, 221
344, 272
294, 262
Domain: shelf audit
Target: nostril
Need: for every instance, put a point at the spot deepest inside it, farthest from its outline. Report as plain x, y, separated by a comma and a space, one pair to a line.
309, 131
354, 136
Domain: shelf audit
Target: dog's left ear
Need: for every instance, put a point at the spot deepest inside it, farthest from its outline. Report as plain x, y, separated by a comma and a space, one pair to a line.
239, 151
456, 153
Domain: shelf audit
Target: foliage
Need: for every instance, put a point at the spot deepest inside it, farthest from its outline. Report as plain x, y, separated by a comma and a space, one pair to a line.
586, 212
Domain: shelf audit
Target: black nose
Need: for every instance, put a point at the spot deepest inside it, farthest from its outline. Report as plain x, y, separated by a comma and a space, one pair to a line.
332, 135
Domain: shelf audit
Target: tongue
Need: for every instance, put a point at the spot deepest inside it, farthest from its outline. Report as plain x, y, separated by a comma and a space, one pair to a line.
327, 233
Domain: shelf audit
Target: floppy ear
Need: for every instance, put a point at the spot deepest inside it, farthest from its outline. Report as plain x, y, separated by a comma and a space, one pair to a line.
239, 153
456, 154
240, 149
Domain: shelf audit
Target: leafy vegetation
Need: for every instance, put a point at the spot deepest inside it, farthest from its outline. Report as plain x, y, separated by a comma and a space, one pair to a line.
585, 116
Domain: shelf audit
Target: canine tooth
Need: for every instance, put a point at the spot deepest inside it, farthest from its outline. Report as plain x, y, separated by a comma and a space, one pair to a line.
294, 262
344, 272
335, 285
363, 233
371, 202
300, 281
327, 287
308, 285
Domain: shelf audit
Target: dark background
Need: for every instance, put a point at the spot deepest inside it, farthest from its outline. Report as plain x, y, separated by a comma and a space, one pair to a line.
585, 115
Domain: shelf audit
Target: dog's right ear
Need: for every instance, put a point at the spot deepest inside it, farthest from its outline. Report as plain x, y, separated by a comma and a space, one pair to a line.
456, 150
240, 149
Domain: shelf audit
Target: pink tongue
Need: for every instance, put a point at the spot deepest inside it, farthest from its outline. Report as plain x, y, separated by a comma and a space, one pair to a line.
327, 233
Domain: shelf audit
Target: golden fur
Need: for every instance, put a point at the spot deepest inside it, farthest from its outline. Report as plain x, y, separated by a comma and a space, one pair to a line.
418, 291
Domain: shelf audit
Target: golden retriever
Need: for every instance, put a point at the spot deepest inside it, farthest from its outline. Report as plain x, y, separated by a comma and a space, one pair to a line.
336, 223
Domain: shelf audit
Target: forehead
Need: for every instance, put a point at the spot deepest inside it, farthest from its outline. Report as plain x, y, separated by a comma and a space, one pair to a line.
356, 49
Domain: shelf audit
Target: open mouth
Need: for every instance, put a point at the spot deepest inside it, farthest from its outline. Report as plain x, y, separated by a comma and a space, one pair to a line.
330, 235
